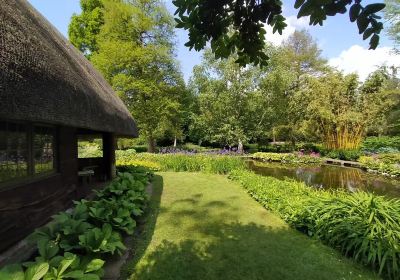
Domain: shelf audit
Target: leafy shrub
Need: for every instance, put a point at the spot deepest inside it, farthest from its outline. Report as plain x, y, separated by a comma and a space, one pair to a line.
104, 240
389, 158
91, 228
140, 149
288, 158
350, 155
193, 163
381, 144
124, 154
381, 164
277, 148
88, 149
360, 225
69, 266
153, 166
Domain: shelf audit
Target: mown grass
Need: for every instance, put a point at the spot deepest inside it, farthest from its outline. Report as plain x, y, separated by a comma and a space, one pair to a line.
206, 227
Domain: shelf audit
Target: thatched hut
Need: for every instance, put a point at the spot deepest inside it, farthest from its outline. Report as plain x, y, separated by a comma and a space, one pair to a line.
49, 95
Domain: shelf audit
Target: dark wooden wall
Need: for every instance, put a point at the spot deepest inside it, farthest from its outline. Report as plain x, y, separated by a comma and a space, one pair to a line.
29, 205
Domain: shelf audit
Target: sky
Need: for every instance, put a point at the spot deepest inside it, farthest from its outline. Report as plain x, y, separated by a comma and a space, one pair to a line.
338, 38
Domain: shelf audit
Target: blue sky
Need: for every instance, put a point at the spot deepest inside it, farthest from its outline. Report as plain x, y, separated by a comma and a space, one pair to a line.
338, 38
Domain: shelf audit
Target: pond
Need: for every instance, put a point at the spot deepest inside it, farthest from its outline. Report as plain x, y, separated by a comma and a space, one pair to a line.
330, 177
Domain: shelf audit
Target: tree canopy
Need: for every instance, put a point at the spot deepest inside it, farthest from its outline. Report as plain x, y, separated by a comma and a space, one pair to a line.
133, 47
392, 16
238, 26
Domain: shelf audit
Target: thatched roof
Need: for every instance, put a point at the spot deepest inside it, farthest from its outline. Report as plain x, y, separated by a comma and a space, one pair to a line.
43, 78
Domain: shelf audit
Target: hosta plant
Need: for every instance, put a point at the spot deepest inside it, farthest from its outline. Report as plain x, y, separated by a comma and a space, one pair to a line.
114, 212
102, 240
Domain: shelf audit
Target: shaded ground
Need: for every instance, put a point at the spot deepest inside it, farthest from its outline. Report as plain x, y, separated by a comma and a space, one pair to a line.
206, 227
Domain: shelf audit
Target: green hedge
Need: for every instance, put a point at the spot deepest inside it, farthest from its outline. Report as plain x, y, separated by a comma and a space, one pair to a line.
361, 225
75, 243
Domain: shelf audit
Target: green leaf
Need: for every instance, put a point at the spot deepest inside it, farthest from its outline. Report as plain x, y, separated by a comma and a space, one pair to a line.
374, 42
65, 263
47, 249
362, 23
355, 12
75, 274
305, 10
368, 33
298, 3
373, 8
37, 271
94, 265
12, 272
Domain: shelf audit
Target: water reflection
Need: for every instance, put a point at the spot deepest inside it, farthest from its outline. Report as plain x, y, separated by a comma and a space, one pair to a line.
330, 177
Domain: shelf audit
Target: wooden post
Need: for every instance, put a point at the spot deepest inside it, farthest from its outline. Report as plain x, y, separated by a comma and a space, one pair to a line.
109, 155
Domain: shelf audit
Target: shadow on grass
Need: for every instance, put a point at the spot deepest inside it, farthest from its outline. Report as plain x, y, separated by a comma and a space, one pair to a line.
223, 249
145, 230
239, 252
206, 237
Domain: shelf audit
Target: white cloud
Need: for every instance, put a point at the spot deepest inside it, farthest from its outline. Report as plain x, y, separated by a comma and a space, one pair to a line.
363, 61
293, 24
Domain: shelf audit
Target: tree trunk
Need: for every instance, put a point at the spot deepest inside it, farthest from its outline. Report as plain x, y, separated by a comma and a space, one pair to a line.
273, 135
175, 142
240, 146
151, 144
293, 141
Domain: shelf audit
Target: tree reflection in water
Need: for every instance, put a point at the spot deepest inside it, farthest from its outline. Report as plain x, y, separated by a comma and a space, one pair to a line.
330, 177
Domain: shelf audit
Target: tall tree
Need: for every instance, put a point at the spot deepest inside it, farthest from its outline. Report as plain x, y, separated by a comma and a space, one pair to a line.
385, 83
134, 51
392, 16
297, 58
85, 27
340, 110
229, 101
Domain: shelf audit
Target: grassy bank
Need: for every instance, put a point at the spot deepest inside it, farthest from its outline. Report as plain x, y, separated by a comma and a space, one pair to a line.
360, 225
203, 226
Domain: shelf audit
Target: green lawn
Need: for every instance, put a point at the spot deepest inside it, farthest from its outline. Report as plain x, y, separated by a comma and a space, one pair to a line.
206, 227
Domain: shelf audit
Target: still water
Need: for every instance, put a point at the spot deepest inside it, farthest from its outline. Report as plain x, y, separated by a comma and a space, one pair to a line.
330, 177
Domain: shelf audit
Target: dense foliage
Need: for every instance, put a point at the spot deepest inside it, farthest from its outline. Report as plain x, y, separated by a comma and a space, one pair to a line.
132, 44
288, 157
392, 16
191, 163
381, 144
298, 97
360, 225
237, 26
228, 102
74, 244
386, 164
